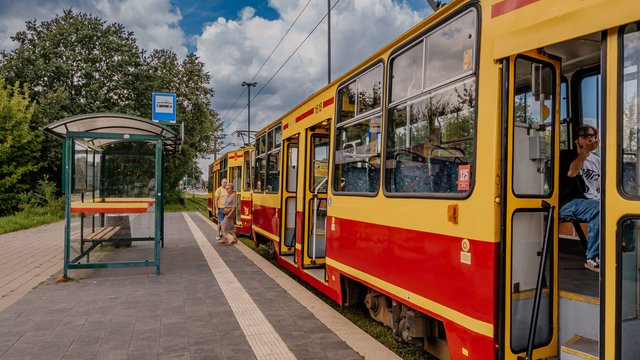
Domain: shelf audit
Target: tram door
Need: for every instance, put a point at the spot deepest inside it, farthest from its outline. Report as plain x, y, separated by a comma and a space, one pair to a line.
289, 200
530, 120
315, 197
620, 240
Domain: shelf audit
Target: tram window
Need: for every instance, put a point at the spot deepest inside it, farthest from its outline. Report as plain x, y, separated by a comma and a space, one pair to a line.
347, 96
273, 160
565, 140
260, 164
369, 87
532, 128
430, 142
223, 168
590, 100
449, 51
320, 164
406, 79
273, 172
247, 171
630, 114
627, 244
292, 168
527, 231
277, 136
236, 177
357, 156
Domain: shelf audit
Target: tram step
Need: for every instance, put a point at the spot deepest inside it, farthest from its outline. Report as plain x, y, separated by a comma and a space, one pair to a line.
578, 315
579, 348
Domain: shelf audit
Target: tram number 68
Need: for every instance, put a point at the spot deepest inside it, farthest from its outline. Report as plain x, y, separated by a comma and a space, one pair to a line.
318, 108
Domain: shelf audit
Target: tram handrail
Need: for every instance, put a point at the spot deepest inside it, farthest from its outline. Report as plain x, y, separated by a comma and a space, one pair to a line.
315, 214
536, 300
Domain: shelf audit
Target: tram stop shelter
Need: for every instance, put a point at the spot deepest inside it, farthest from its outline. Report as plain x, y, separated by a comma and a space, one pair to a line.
112, 181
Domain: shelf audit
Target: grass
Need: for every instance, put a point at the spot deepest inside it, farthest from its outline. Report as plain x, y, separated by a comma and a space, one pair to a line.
189, 202
357, 314
30, 218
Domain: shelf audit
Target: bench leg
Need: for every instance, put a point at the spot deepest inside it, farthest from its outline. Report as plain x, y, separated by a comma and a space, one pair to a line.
581, 235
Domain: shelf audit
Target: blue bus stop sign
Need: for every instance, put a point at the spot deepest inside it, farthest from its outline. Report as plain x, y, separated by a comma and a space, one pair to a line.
164, 107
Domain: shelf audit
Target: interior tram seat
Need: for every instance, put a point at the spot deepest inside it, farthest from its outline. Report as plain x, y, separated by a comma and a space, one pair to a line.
359, 178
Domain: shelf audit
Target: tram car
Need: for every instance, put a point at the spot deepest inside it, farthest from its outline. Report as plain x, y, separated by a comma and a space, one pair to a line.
424, 182
236, 167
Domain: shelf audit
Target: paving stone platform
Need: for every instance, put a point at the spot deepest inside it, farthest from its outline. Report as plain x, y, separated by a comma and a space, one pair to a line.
210, 302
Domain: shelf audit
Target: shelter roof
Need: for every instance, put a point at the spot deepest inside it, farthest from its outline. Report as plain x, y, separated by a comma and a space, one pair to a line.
111, 123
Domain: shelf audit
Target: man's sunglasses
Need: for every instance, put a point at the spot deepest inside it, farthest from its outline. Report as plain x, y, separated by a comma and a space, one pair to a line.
587, 136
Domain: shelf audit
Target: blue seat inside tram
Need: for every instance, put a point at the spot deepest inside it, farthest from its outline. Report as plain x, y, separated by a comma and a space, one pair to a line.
360, 177
445, 175
412, 176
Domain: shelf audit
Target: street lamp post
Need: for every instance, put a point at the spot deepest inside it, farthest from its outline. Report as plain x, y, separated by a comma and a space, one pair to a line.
248, 85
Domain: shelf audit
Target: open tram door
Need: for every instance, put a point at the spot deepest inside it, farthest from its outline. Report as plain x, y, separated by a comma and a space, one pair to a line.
530, 112
289, 199
315, 199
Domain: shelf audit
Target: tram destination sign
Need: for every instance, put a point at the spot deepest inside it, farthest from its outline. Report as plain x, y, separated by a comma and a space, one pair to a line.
164, 107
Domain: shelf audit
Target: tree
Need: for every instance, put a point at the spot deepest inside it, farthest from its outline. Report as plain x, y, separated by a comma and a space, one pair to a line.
19, 145
76, 63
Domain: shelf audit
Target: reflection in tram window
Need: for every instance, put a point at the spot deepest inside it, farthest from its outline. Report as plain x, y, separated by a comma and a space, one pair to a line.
357, 158
532, 128
430, 142
629, 229
260, 172
630, 114
273, 162
628, 242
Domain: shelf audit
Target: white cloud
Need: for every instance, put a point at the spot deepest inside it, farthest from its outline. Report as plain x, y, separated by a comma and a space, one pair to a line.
154, 22
234, 49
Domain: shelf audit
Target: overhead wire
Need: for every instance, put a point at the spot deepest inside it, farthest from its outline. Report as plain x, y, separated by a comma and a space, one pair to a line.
284, 63
265, 62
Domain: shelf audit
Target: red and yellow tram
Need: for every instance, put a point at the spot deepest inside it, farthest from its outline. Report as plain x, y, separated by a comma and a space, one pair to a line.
425, 181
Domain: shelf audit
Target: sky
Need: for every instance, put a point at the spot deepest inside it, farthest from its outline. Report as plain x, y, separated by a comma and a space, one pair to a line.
234, 39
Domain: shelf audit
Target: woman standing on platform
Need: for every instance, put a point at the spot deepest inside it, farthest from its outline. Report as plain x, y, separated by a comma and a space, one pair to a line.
229, 222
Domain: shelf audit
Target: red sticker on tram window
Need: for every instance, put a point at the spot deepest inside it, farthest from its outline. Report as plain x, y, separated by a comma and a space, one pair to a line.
464, 177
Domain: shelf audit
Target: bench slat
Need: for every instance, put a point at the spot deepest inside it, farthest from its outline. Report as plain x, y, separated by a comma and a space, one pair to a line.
102, 233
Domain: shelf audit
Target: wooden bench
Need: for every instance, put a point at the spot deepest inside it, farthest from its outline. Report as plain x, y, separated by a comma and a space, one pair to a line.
101, 234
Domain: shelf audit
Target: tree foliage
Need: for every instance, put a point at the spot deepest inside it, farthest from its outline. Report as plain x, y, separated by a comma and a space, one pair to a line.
19, 145
77, 63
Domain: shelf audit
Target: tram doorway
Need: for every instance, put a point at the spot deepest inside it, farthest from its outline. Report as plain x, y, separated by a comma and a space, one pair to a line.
589, 80
315, 200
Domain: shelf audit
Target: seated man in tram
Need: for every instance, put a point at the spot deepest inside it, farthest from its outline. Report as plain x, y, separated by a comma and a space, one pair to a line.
580, 189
